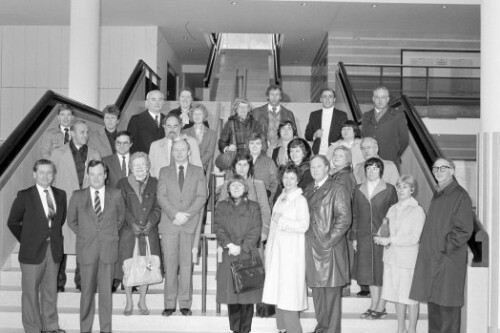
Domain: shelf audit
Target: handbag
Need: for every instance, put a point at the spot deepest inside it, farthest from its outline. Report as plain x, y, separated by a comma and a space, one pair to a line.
224, 160
141, 270
384, 230
248, 274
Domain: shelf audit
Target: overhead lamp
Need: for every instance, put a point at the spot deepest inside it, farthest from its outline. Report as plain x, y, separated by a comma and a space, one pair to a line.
233, 3
303, 3
443, 6
374, 5
302, 39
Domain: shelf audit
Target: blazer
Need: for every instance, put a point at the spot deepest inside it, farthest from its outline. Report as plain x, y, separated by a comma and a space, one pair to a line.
52, 139
29, 224
160, 154
114, 170
191, 199
262, 116
178, 112
144, 130
207, 144
314, 124
96, 241
99, 141
66, 179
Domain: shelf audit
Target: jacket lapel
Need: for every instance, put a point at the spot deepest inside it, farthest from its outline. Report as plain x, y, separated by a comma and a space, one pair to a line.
69, 163
38, 203
89, 205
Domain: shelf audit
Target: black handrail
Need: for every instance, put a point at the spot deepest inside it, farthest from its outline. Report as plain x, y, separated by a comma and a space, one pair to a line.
21, 135
276, 51
139, 70
351, 97
211, 59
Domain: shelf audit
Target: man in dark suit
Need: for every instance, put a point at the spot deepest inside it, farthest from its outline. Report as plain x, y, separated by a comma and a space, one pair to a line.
118, 163
272, 114
145, 127
103, 140
185, 101
35, 219
182, 193
96, 214
386, 125
324, 125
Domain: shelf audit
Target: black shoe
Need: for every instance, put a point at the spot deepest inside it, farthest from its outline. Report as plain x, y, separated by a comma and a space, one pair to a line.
186, 312
55, 331
59, 290
116, 284
79, 288
363, 293
167, 312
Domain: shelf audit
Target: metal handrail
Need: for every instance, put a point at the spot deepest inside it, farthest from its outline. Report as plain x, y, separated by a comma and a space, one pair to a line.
211, 59
276, 52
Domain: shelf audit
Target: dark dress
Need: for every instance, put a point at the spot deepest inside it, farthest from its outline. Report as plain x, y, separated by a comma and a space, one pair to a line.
139, 213
368, 215
242, 130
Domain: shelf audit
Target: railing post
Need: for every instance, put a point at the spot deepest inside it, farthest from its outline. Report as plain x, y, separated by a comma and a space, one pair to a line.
203, 274
427, 94
381, 80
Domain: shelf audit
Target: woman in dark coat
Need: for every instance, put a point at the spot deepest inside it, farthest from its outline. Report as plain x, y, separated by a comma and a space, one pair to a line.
237, 226
342, 168
141, 220
371, 201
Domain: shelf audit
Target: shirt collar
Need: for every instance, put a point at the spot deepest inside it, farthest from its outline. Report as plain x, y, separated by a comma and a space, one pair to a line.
329, 109
321, 182
183, 164
41, 189
101, 190
270, 108
439, 188
153, 115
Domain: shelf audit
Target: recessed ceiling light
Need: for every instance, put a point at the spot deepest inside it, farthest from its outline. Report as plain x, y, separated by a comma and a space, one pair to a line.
185, 37
302, 39
233, 3
444, 7
190, 50
374, 5
303, 3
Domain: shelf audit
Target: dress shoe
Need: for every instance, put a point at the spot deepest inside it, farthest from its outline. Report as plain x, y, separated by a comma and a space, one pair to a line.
167, 312
79, 288
363, 293
186, 312
55, 331
59, 290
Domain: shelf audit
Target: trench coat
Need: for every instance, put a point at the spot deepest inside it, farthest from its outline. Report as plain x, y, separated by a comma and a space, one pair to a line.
285, 284
327, 262
441, 266
241, 225
368, 215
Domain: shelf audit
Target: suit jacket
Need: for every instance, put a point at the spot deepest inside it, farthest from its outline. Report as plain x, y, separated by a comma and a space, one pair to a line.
178, 112
99, 141
262, 116
66, 179
314, 124
191, 199
96, 241
160, 154
29, 224
391, 133
207, 144
52, 139
114, 170
145, 131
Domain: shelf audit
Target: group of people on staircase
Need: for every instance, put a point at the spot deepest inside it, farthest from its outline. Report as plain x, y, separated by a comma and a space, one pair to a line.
317, 214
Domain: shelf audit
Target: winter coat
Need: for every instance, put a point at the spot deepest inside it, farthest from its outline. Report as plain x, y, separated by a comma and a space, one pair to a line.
242, 130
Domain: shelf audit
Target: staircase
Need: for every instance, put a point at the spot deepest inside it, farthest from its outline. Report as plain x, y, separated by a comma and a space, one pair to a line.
68, 305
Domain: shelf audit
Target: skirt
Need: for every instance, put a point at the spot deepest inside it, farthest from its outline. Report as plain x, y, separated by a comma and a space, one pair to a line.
397, 284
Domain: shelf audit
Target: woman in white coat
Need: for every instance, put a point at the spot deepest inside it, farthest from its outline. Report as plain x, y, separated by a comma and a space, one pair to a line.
406, 220
285, 283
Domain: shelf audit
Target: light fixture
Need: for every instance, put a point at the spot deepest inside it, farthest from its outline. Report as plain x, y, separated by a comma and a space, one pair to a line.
233, 3
302, 39
185, 37
374, 5
190, 50
443, 6
303, 3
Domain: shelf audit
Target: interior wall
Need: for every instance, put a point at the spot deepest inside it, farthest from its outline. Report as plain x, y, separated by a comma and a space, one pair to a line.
165, 55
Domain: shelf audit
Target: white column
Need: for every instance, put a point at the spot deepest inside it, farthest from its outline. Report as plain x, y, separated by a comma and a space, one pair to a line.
489, 159
84, 51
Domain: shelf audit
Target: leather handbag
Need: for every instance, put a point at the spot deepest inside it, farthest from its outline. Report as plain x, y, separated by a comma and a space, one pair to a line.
224, 160
383, 231
141, 270
248, 274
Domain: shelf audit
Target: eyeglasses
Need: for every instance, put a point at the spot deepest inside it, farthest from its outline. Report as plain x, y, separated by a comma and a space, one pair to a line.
441, 168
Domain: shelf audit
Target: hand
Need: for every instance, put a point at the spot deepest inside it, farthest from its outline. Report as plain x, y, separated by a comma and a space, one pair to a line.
136, 229
384, 241
237, 250
318, 133
233, 250
355, 245
231, 147
182, 217
147, 228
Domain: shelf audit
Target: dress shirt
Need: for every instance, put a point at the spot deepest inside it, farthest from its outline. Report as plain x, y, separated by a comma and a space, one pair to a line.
184, 117
326, 122
270, 108
127, 159
371, 185
101, 197
177, 169
62, 128
321, 182
154, 115
379, 113
43, 196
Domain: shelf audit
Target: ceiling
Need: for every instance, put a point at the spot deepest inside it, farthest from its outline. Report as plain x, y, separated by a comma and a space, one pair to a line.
304, 24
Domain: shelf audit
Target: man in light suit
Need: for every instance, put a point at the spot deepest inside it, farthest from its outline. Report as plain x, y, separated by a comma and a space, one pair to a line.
272, 114
118, 163
324, 125
36, 219
71, 161
145, 127
103, 140
160, 152
59, 135
96, 214
182, 194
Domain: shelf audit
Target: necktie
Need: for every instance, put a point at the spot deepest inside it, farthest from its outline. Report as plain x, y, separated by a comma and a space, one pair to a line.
315, 188
124, 167
66, 135
97, 206
157, 121
181, 176
52, 210
274, 109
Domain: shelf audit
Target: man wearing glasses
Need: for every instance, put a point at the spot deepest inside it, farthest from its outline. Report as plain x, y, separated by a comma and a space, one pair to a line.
439, 277
160, 151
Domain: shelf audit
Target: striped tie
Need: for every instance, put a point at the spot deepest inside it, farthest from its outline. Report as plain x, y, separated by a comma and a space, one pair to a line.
97, 206
50, 205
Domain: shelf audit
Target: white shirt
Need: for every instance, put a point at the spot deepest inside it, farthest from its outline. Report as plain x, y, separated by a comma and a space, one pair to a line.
185, 165
270, 108
43, 196
154, 115
326, 121
321, 182
371, 187
101, 197
63, 130
127, 159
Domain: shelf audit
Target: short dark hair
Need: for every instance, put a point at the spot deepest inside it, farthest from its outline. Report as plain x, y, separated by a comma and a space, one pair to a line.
288, 122
188, 90
125, 133
273, 87
171, 115
62, 107
243, 155
323, 158
94, 163
113, 110
302, 144
352, 124
328, 89
44, 161
375, 161
290, 167
256, 136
